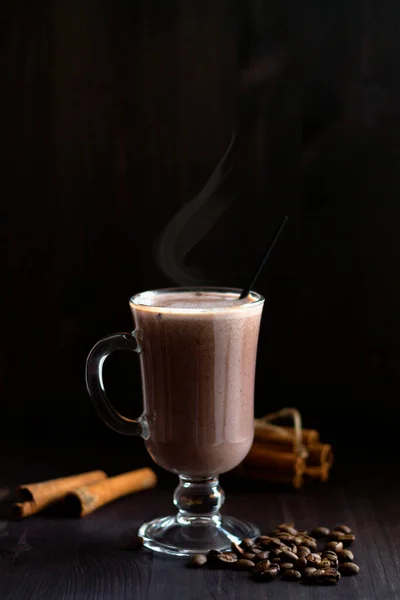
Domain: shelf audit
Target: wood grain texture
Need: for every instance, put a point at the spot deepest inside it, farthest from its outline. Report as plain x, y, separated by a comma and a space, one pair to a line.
49, 558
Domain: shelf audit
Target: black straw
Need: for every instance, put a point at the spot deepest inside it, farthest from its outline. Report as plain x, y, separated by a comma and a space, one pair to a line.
264, 259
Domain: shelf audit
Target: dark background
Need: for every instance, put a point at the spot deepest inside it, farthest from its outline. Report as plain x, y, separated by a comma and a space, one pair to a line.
114, 114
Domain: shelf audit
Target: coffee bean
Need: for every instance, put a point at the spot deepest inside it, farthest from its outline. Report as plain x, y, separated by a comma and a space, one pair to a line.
303, 551
348, 539
288, 556
329, 554
325, 564
306, 536
333, 563
349, 568
283, 525
264, 555
325, 576
315, 573
226, 558
320, 532
212, 557
264, 570
313, 559
310, 545
291, 575
236, 548
247, 543
334, 546
336, 536
274, 553
261, 567
293, 548
244, 565
343, 528
345, 555
288, 539
328, 581
330, 576
297, 540
286, 566
331, 557
273, 571
291, 530
330, 563
256, 549
249, 556
277, 543
331, 573
285, 537
301, 563
309, 542
230, 555
262, 540
309, 571
267, 543
198, 560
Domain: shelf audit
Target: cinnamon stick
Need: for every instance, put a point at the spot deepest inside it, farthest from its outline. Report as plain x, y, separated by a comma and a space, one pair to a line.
308, 436
321, 472
319, 461
87, 498
269, 459
320, 454
34, 497
285, 436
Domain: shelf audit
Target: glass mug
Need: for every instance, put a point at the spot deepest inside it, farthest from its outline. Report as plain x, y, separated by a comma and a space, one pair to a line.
197, 350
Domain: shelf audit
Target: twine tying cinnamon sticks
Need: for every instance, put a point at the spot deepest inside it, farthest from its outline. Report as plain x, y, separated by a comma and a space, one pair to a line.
286, 454
88, 490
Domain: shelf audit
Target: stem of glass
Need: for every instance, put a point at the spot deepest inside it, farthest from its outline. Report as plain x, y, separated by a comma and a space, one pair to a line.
198, 501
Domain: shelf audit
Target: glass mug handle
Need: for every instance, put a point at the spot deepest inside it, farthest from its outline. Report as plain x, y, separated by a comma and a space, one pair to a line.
95, 384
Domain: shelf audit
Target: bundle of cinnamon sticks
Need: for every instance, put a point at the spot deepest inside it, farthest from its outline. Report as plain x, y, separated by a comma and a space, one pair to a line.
79, 494
288, 455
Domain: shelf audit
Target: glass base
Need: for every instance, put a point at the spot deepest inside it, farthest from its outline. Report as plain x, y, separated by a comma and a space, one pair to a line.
194, 535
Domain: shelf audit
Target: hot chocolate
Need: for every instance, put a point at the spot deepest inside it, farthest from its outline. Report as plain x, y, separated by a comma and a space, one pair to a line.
198, 355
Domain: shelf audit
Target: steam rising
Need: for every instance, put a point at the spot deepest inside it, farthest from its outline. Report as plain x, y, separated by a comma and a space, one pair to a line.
191, 223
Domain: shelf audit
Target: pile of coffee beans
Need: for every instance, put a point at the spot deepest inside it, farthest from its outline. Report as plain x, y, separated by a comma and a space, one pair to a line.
320, 556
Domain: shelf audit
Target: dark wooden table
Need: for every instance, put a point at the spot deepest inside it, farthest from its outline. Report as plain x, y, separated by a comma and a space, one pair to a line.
52, 558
